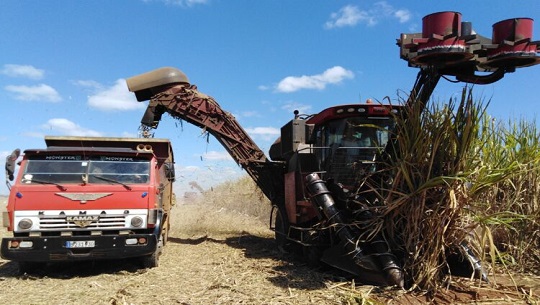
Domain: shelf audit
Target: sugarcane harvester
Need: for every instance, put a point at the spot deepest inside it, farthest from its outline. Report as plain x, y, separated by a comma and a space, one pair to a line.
313, 176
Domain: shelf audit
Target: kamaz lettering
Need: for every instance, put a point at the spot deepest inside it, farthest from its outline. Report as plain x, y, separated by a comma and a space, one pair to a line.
82, 218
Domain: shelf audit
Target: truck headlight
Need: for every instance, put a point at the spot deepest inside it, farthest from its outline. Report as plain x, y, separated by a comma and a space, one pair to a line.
25, 224
136, 221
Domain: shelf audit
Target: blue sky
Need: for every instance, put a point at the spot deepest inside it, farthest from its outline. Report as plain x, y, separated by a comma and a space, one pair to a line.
63, 65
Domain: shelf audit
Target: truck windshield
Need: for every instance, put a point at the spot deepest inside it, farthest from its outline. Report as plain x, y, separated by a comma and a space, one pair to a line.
92, 169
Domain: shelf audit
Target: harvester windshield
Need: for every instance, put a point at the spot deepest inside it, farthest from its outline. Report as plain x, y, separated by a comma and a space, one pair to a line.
349, 146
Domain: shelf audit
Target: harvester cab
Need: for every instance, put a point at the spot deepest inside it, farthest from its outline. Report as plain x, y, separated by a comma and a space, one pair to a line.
328, 158
317, 170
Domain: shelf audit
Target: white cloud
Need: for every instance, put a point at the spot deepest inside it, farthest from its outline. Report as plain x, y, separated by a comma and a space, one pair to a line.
346, 16
88, 84
333, 75
246, 114
188, 169
188, 2
25, 71
34, 134
264, 133
402, 15
183, 3
114, 98
69, 128
216, 156
292, 106
4, 154
250, 114
351, 15
127, 134
39, 92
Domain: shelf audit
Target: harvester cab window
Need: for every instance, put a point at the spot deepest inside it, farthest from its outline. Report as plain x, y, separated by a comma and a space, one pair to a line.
350, 145
356, 133
358, 136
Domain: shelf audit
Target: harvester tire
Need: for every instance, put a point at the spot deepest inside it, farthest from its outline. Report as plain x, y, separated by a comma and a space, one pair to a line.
282, 226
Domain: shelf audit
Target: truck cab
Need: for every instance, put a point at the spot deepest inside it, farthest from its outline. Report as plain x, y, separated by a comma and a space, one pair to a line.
89, 198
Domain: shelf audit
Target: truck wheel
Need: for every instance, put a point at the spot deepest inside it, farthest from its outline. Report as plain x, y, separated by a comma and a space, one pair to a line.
282, 230
152, 260
165, 235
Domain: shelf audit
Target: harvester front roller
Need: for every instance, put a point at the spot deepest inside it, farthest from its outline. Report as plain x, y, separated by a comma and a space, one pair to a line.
348, 255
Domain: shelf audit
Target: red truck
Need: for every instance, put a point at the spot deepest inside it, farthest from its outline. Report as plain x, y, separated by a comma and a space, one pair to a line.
89, 198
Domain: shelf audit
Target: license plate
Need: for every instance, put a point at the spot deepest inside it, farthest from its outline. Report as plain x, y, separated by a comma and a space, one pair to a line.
81, 244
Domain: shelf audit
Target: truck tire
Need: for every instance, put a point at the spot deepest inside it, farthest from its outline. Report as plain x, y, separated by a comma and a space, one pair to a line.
166, 232
30, 267
152, 260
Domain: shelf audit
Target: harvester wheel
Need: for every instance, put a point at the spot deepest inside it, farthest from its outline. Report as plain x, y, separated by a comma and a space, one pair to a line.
282, 230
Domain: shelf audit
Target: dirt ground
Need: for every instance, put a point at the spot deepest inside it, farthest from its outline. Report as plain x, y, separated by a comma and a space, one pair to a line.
215, 256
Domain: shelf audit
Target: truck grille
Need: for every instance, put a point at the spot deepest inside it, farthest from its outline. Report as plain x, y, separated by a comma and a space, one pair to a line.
60, 223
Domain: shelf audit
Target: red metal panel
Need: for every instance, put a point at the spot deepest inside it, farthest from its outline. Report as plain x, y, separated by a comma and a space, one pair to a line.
512, 30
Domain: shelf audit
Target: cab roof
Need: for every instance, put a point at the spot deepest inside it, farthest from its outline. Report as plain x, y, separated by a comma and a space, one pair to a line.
161, 148
354, 110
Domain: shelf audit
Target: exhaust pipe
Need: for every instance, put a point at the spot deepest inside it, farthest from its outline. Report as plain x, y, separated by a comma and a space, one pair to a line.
323, 199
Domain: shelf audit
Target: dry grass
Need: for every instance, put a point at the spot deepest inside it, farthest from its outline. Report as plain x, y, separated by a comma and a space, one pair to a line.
220, 256
241, 196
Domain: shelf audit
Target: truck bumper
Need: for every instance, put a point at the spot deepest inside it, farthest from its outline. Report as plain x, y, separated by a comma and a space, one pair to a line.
77, 248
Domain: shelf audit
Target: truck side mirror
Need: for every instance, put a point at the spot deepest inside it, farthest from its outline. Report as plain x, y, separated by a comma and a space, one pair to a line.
169, 171
10, 164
